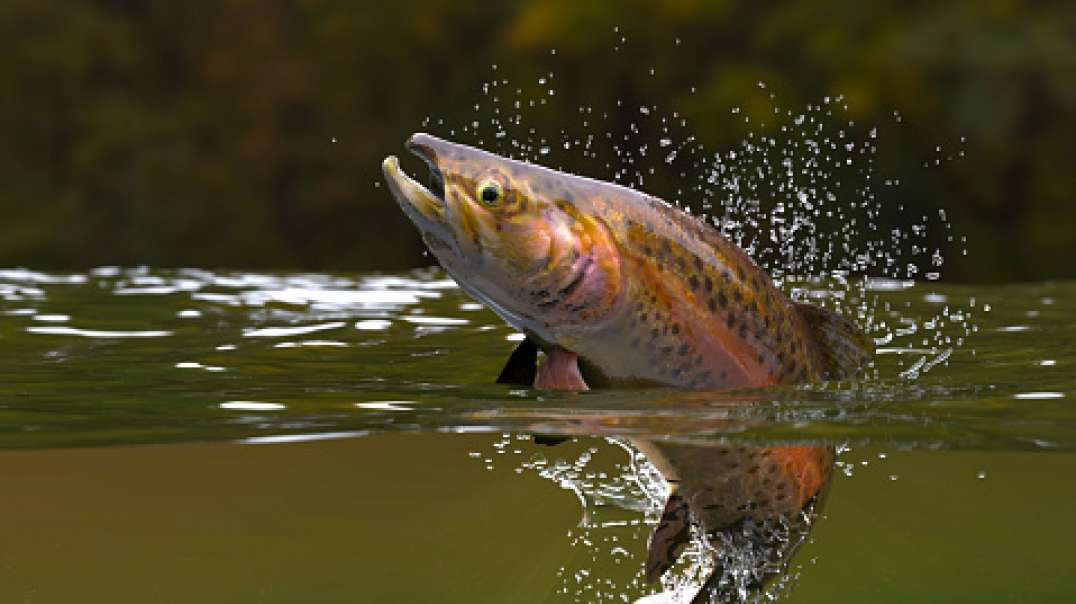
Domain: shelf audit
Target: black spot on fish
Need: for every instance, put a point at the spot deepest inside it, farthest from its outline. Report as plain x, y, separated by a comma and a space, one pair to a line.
731, 320
711, 305
676, 373
666, 350
722, 300
709, 283
676, 328
741, 273
653, 334
693, 281
698, 263
635, 343
684, 348
724, 375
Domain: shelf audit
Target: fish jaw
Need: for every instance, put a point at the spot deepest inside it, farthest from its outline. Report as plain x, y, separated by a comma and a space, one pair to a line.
421, 205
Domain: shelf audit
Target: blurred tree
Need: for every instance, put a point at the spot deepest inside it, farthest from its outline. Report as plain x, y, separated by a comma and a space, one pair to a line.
201, 133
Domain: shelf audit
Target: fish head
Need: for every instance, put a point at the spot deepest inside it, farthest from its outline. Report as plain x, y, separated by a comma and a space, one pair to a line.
513, 235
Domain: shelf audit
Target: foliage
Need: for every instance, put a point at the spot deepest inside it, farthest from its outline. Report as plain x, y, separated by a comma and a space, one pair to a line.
199, 133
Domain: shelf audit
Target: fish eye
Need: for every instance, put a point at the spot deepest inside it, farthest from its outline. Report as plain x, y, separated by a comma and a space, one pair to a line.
490, 193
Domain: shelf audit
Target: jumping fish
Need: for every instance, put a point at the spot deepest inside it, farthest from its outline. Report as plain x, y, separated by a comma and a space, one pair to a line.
617, 286
612, 284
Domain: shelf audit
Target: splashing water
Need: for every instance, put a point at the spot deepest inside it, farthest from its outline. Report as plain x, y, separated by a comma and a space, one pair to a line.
801, 193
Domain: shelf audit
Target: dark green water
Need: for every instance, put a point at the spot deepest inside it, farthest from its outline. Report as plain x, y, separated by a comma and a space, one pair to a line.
177, 436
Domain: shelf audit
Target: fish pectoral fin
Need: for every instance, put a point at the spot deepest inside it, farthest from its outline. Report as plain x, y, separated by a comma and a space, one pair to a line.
669, 539
842, 343
560, 371
522, 366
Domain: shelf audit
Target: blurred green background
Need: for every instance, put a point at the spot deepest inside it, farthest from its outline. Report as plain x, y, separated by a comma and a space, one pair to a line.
200, 133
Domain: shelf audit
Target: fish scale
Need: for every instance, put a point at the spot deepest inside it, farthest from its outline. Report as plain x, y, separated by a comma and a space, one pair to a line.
711, 282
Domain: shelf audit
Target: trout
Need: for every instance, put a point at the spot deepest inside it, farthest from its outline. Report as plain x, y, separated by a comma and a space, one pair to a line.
619, 287
615, 286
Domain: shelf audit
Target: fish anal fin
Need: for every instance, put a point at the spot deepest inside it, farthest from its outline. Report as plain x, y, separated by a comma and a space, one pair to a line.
560, 371
522, 366
844, 347
671, 536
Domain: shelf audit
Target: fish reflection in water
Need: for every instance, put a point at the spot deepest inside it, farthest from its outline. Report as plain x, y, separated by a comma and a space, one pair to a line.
753, 505
731, 515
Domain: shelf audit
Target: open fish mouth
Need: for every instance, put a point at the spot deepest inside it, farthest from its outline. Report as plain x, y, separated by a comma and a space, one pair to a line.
421, 203
425, 152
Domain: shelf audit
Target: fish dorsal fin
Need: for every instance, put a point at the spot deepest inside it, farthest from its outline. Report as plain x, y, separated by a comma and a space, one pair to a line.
842, 344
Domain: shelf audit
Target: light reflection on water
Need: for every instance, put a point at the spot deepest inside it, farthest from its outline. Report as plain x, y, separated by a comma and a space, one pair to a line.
91, 354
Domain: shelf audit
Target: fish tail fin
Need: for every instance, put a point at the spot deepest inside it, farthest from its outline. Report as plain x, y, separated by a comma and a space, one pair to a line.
844, 347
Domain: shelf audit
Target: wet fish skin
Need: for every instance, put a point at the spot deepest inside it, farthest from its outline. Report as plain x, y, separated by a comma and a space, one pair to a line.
637, 288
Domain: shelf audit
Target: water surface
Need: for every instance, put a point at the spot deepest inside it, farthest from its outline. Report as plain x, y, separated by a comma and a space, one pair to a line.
394, 470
